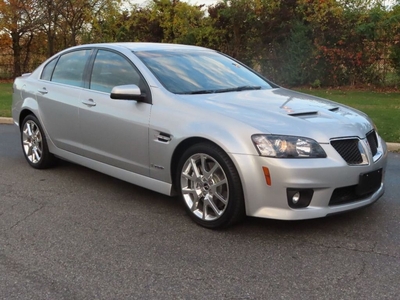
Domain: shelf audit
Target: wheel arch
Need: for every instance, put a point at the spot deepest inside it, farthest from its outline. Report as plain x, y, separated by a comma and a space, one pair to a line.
183, 146
24, 113
34, 142
235, 211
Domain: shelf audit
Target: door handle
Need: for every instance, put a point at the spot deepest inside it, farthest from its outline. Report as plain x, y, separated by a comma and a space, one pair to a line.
43, 91
89, 102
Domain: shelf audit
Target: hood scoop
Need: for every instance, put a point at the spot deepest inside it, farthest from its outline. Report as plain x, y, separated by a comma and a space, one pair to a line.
304, 114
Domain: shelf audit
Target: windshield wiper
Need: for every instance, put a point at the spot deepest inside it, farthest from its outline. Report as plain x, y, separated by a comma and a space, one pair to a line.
240, 88
198, 92
236, 89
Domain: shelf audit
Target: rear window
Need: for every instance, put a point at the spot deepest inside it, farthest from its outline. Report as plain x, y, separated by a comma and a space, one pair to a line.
48, 70
70, 67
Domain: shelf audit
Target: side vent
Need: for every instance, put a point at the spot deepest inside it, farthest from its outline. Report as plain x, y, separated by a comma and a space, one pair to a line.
164, 137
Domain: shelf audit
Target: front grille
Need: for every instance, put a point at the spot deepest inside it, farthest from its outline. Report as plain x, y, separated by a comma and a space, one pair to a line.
351, 150
348, 194
348, 149
373, 142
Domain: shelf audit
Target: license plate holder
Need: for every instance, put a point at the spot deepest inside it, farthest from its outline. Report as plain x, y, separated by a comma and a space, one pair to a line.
369, 182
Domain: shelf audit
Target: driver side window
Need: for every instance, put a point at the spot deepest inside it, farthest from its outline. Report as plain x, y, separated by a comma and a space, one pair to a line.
111, 69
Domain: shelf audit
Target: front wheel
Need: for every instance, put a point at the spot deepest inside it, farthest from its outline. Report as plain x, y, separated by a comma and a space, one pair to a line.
210, 187
34, 144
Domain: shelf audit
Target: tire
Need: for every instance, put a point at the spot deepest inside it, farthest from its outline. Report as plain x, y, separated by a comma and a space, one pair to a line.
34, 144
210, 187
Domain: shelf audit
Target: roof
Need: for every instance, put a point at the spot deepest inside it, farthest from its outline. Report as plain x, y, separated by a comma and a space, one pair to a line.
149, 46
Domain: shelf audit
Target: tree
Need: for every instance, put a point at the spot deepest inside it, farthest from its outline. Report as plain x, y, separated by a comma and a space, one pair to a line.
394, 22
19, 19
50, 16
178, 20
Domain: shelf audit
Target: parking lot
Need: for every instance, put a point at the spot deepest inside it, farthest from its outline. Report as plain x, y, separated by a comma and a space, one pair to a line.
72, 233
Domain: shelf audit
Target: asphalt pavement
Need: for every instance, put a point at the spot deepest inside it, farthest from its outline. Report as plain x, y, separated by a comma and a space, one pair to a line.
73, 233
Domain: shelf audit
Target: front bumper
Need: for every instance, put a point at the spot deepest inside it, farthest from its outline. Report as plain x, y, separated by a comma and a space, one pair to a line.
322, 175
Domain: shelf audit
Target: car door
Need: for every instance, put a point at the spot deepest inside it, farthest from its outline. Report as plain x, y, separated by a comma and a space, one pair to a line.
58, 96
114, 132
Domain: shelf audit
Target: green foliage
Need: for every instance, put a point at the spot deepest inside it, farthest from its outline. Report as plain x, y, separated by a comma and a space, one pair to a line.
316, 84
293, 42
298, 53
394, 22
178, 20
395, 58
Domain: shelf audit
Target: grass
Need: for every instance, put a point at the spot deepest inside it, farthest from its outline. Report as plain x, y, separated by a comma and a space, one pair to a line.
5, 99
383, 108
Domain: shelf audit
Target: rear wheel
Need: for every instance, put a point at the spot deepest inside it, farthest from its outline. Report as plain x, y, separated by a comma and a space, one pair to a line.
210, 186
34, 144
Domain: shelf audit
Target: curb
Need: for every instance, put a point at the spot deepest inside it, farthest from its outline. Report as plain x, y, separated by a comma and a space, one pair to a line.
6, 120
393, 147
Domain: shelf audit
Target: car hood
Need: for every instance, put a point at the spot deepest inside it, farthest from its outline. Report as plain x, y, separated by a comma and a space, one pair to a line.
281, 111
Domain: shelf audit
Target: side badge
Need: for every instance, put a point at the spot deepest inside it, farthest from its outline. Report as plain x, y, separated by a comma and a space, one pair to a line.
157, 167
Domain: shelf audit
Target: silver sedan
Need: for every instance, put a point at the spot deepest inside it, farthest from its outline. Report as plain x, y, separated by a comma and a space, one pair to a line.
194, 122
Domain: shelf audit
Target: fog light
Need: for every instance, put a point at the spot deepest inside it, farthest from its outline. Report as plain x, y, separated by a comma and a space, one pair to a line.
296, 198
299, 198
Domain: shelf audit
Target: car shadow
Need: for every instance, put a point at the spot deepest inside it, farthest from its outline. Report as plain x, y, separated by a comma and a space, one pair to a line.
153, 202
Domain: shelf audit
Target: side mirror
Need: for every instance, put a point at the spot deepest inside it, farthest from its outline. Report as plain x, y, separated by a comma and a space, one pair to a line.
127, 92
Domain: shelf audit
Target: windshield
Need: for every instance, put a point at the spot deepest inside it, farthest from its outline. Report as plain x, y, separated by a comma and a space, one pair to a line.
200, 72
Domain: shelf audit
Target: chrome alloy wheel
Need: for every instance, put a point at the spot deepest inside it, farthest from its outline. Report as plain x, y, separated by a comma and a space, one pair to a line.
204, 187
32, 142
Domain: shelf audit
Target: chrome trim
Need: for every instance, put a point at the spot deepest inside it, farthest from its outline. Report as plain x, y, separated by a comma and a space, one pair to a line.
364, 151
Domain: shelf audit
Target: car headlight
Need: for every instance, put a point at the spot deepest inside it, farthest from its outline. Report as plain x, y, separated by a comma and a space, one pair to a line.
284, 146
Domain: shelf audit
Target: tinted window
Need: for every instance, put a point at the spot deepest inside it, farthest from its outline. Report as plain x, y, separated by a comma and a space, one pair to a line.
192, 71
70, 67
111, 69
48, 70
